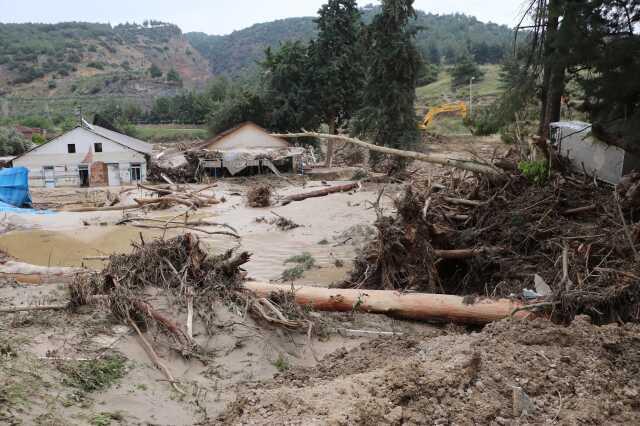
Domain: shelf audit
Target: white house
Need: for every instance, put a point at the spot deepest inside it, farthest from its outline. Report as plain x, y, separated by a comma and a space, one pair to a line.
250, 149
88, 155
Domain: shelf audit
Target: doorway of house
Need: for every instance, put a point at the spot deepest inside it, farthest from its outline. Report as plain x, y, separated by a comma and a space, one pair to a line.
83, 171
49, 177
113, 171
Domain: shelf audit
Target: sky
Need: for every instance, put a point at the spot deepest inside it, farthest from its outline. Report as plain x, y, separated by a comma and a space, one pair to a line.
222, 16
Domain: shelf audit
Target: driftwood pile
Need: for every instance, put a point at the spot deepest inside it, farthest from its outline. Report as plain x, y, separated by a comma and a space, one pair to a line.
180, 270
170, 195
476, 238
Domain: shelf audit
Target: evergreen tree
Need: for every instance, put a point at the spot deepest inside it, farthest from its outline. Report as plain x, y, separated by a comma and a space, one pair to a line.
464, 71
338, 66
289, 88
173, 75
388, 116
155, 71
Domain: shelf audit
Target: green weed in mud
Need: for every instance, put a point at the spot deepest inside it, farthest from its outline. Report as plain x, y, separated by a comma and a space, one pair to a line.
281, 364
104, 419
535, 171
293, 274
305, 260
90, 376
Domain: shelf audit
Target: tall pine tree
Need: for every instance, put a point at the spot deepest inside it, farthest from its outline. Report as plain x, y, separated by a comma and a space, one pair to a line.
388, 116
290, 88
338, 71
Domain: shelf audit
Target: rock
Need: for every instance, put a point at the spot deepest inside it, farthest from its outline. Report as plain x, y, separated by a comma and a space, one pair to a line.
522, 404
394, 416
542, 288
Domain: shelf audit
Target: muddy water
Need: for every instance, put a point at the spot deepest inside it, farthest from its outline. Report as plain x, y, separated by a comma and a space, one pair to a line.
68, 248
322, 220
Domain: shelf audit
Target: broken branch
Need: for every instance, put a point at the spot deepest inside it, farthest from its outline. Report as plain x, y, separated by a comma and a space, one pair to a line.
470, 165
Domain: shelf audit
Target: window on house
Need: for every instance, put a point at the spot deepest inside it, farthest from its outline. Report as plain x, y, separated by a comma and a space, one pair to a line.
97, 147
136, 173
71, 148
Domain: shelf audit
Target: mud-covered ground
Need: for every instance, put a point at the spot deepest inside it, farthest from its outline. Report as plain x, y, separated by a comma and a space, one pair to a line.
81, 367
574, 375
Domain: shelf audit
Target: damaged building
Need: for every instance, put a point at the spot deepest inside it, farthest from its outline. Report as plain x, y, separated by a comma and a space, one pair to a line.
248, 149
88, 155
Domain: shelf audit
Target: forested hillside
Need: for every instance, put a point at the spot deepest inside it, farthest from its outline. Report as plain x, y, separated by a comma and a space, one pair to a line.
239, 51
69, 61
440, 38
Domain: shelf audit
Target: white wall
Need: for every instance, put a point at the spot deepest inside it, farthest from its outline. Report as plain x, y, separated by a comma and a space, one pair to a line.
248, 137
55, 154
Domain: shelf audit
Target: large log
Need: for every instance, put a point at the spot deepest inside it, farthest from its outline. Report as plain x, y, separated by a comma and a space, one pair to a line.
320, 192
415, 306
34, 274
435, 158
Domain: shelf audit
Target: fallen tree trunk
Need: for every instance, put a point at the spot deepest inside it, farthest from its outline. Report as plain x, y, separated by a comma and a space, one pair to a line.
34, 274
415, 306
320, 193
470, 165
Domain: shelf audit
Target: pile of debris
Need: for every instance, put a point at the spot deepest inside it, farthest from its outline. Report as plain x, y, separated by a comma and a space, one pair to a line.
181, 271
478, 239
259, 195
189, 169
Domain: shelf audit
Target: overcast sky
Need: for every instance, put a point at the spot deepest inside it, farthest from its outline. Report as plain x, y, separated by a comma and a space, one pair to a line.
221, 16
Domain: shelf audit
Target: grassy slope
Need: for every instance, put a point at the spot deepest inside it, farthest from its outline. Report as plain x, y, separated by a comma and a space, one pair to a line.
441, 91
168, 134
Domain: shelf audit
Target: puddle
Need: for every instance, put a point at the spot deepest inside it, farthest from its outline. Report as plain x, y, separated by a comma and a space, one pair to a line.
68, 248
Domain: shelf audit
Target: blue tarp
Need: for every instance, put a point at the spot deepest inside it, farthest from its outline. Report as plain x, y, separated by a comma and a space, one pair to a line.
14, 187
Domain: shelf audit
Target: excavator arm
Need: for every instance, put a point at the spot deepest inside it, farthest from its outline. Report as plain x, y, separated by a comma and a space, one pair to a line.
457, 107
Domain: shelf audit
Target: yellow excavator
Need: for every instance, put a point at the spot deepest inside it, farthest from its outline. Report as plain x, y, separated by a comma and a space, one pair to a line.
456, 107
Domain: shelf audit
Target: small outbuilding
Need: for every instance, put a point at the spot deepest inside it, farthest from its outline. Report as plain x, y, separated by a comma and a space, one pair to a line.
250, 149
576, 142
88, 155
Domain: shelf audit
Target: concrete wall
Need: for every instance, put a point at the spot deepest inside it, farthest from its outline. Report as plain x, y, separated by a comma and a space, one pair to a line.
598, 158
248, 136
55, 154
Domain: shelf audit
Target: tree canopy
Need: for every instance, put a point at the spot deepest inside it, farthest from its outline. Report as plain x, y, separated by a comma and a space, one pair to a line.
388, 116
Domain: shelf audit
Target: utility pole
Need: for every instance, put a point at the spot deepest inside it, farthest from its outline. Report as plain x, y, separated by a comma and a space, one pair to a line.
471, 95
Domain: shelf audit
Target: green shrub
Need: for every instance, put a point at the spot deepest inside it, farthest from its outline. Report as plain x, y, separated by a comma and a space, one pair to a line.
12, 142
173, 75
155, 71
96, 65
37, 139
535, 171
